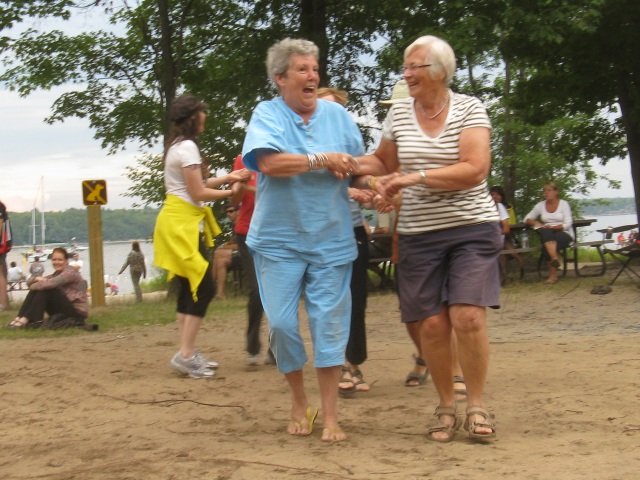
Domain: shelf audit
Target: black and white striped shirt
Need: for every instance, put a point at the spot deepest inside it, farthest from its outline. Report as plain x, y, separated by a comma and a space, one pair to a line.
428, 209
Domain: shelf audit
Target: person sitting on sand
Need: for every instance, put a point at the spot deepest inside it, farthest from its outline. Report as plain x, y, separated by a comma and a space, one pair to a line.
63, 292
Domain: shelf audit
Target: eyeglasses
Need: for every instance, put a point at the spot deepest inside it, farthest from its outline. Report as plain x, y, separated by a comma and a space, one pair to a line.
413, 68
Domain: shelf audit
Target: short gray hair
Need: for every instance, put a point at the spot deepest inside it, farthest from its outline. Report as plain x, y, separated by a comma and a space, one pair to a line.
439, 54
278, 55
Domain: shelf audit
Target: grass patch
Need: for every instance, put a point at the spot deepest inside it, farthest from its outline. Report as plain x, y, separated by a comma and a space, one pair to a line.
126, 316
588, 254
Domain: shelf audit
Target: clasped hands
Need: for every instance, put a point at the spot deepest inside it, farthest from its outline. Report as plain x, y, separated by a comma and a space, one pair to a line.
342, 165
388, 188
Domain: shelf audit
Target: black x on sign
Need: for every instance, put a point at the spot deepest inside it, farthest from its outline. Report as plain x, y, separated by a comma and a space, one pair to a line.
94, 192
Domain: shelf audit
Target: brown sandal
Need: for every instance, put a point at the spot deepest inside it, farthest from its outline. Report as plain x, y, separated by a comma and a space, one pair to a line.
449, 429
415, 379
358, 381
346, 385
487, 422
460, 393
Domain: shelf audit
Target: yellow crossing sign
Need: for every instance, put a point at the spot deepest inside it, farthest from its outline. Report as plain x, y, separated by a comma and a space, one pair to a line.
94, 192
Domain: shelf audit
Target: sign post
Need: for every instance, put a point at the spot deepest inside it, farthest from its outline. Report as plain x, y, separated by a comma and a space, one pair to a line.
94, 195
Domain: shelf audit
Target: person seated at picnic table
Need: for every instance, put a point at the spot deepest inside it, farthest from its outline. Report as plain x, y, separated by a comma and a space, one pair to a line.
555, 228
63, 292
15, 277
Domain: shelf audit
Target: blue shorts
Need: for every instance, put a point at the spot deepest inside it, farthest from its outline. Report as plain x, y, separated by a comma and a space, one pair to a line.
327, 299
453, 266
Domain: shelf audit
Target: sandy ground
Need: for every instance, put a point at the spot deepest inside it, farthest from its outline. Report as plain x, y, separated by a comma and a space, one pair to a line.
563, 384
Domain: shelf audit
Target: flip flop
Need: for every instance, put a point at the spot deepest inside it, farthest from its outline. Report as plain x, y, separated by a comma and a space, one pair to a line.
310, 416
327, 433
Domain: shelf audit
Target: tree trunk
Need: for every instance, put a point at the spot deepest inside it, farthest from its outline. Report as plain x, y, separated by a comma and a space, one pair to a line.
168, 74
631, 121
313, 26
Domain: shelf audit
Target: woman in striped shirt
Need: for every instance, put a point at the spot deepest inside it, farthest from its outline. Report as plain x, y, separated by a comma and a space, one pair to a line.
448, 225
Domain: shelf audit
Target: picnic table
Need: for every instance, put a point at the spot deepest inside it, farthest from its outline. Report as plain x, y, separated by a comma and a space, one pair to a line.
571, 253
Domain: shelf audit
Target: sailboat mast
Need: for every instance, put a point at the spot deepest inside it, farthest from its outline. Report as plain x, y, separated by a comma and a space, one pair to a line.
33, 226
43, 225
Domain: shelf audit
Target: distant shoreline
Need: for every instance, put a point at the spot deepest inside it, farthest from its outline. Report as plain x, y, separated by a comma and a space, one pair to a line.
63, 245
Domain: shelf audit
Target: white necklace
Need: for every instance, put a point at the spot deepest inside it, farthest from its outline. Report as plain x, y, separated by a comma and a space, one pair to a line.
444, 105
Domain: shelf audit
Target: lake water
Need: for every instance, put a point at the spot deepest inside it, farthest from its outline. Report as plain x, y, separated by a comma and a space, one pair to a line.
114, 255
590, 233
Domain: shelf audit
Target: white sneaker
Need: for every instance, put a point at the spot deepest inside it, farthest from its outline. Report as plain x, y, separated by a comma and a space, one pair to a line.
205, 361
253, 360
191, 366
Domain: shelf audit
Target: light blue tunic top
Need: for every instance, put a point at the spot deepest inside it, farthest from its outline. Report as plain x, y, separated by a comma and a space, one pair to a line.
304, 216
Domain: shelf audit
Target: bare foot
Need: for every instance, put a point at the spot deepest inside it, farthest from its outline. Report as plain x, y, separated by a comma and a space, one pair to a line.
333, 435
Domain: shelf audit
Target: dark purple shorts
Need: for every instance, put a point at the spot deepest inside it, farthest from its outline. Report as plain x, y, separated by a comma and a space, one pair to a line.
453, 266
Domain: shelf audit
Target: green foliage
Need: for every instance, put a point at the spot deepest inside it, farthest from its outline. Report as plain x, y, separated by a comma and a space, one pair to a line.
147, 179
117, 224
552, 73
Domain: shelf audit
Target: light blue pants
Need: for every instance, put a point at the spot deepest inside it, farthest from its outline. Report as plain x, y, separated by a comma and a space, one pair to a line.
327, 299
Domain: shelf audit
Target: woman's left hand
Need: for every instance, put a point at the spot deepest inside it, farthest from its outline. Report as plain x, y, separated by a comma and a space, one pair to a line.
389, 185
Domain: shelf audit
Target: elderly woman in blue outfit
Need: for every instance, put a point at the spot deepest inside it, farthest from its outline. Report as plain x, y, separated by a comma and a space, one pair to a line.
301, 236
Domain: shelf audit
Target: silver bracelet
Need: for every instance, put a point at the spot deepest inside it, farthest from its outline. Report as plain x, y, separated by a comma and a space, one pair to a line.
423, 177
317, 161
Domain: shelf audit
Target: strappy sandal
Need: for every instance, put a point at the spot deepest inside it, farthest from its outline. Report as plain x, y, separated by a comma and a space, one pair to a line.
472, 427
460, 393
346, 385
449, 429
417, 379
359, 384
